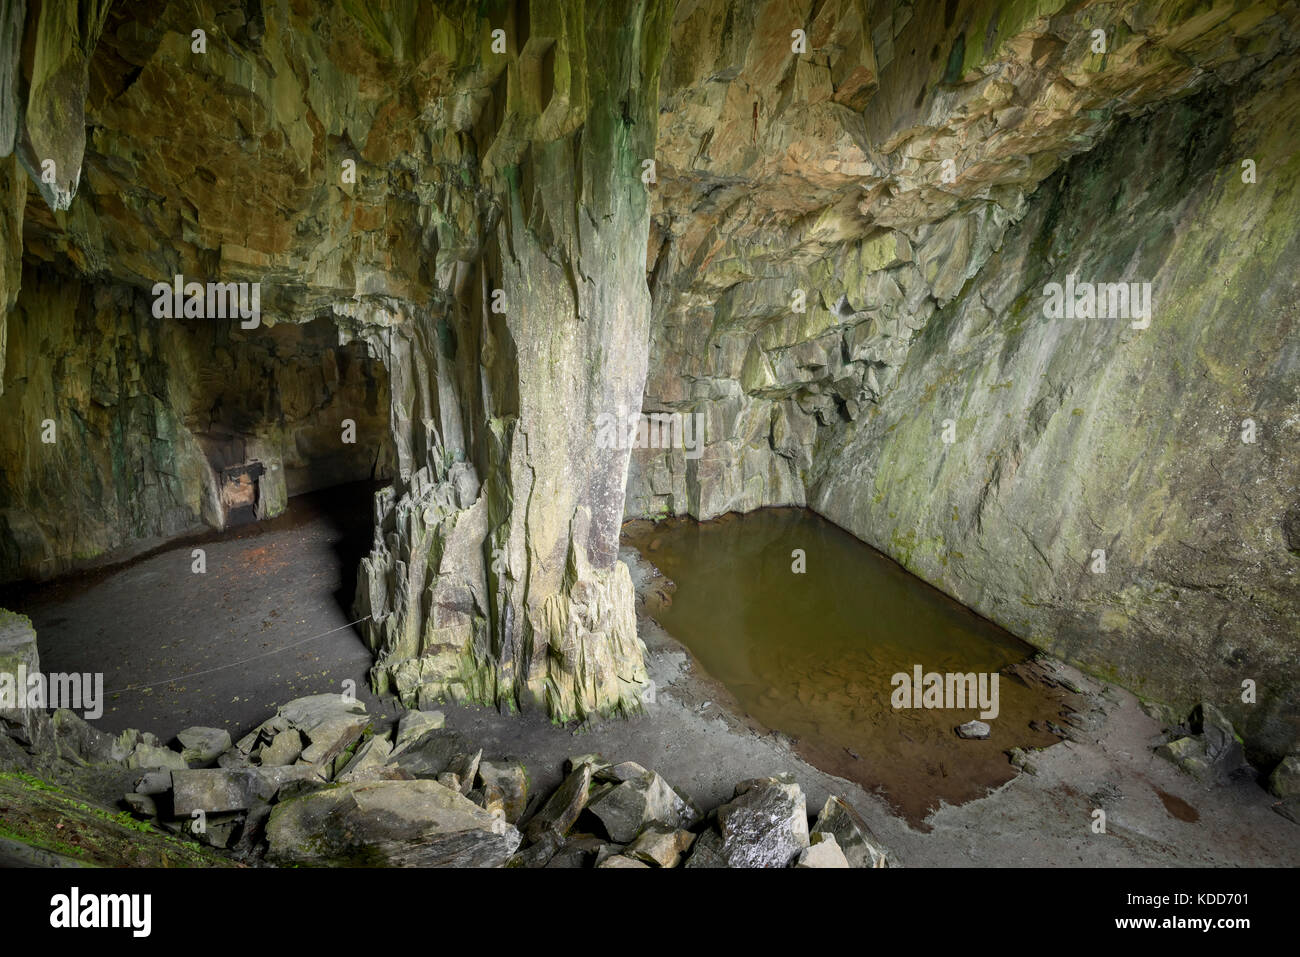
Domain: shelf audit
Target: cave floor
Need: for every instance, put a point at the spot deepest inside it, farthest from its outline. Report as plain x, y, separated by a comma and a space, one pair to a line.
269, 587
248, 625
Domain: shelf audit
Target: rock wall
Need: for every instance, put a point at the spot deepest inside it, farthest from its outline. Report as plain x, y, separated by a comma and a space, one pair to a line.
1077, 435
828, 225
816, 208
917, 236
396, 165
119, 424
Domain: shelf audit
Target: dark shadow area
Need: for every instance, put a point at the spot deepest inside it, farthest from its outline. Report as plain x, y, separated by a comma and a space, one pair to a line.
268, 621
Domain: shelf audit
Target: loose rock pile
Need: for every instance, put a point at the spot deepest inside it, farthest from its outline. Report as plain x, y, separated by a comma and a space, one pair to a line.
1205, 745
323, 783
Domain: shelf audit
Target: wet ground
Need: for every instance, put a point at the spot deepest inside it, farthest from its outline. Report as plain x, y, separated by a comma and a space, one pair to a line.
252, 627
267, 622
807, 627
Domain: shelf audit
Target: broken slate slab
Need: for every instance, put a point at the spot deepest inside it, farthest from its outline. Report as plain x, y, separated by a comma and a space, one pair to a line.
660, 846
559, 813
512, 780
152, 756
415, 823
285, 748
200, 747
431, 754
77, 741
414, 725
367, 762
854, 839
214, 790
822, 852
640, 798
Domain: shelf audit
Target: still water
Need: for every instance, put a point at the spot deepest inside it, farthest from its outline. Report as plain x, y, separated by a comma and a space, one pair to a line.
813, 654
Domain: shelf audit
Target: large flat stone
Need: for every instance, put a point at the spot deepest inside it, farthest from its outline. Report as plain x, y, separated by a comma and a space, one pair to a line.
219, 789
389, 823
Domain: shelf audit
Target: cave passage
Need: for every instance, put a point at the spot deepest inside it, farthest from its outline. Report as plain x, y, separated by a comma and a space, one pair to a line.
812, 653
266, 623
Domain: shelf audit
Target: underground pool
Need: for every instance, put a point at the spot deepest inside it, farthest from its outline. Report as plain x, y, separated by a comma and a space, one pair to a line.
812, 632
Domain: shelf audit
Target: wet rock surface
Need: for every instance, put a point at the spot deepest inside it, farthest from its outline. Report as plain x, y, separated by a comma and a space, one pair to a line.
840, 258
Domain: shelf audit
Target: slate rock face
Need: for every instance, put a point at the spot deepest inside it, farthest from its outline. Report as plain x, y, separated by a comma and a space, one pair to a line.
918, 231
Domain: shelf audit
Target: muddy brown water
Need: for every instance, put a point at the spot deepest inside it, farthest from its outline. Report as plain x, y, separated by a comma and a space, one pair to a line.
1178, 808
813, 655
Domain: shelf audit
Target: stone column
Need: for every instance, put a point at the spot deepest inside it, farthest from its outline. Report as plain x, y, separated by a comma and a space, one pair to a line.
496, 578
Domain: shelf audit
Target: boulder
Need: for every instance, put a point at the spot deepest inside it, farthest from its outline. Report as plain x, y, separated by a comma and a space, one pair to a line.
822, 851
80, 743
1213, 751
618, 860
597, 762
1223, 747
1285, 779
416, 823
147, 755
414, 725
465, 768
200, 747
539, 853
284, 749
512, 780
214, 790
1188, 754
327, 723
18, 658
154, 782
707, 851
489, 798
973, 729
660, 846
766, 825
431, 754
564, 806
578, 850
368, 762
607, 851
852, 836
639, 798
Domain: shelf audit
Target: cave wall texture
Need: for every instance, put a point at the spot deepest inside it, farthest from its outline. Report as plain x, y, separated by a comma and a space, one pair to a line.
838, 262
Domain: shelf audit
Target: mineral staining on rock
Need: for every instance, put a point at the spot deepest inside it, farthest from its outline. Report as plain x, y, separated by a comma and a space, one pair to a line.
855, 301
838, 262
